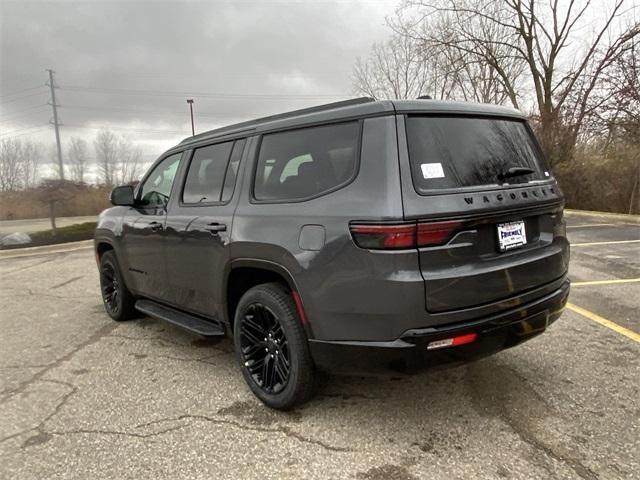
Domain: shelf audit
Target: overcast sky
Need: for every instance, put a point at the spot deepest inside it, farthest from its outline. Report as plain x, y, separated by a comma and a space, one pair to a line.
130, 65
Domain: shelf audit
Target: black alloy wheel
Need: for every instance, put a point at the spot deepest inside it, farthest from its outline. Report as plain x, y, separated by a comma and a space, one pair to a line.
118, 300
265, 349
272, 347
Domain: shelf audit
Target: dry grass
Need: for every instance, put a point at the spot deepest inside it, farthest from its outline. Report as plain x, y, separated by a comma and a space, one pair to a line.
85, 200
602, 183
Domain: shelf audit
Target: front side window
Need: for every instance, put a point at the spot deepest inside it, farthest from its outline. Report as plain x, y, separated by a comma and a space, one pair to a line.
206, 173
304, 163
156, 189
453, 152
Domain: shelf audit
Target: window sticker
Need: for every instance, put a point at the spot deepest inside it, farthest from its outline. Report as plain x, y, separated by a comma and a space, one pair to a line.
546, 174
432, 170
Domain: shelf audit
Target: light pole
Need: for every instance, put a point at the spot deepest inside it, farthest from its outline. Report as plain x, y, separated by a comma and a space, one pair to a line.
190, 102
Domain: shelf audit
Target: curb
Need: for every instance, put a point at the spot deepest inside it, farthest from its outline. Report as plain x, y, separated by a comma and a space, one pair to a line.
614, 216
46, 249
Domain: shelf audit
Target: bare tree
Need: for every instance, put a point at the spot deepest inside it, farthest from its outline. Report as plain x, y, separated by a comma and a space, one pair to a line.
425, 57
543, 35
395, 69
77, 158
106, 147
19, 163
118, 159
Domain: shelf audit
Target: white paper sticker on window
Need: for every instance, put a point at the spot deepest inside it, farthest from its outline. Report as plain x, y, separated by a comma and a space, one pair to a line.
546, 174
432, 170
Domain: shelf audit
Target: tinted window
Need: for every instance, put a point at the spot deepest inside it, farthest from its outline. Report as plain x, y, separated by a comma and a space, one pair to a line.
157, 187
232, 170
450, 152
303, 163
206, 173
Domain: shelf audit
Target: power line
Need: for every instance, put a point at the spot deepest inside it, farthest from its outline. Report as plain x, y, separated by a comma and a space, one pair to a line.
27, 133
12, 132
21, 111
166, 93
137, 130
24, 114
20, 91
21, 98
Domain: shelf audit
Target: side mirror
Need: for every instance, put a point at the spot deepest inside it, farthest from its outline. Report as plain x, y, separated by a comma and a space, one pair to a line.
123, 196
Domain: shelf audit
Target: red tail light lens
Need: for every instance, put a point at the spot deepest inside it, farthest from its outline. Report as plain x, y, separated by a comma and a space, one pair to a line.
408, 235
436, 233
384, 236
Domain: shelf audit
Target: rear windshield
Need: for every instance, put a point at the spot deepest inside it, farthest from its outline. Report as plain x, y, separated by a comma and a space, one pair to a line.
454, 152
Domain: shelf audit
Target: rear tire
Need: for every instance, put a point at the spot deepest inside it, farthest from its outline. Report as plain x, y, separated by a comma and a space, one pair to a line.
116, 297
271, 347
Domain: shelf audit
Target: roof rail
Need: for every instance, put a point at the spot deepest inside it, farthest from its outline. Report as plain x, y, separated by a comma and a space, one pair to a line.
295, 113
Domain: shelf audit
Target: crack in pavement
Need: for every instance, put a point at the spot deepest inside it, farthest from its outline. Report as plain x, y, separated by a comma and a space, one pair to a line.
33, 265
495, 394
31, 293
93, 338
40, 427
71, 280
220, 421
167, 341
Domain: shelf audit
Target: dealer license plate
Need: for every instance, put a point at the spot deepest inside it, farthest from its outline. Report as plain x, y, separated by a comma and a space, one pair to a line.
511, 235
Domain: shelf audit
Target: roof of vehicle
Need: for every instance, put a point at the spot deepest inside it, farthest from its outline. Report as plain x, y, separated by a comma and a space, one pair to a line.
352, 109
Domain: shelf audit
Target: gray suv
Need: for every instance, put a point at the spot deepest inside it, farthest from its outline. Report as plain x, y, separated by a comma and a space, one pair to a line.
359, 234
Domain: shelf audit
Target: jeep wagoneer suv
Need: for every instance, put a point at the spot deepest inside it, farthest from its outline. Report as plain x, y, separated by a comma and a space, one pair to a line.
350, 235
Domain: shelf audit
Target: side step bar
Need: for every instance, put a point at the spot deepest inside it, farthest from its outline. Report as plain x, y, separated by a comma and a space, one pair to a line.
181, 319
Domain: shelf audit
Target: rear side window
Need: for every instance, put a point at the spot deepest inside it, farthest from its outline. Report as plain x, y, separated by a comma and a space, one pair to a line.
453, 152
305, 163
206, 175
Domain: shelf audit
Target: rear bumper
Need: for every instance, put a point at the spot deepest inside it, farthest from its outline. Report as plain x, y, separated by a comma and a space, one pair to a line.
496, 332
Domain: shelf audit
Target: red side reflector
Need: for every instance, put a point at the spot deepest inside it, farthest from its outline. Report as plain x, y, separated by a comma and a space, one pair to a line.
298, 302
384, 236
436, 233
453, 341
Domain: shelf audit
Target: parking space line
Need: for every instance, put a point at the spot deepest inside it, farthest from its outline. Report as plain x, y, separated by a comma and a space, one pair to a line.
604, 322
588, 244
605, 282
589, 225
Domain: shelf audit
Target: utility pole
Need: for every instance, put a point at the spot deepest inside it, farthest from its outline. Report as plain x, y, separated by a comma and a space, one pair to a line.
55, 122
190, 102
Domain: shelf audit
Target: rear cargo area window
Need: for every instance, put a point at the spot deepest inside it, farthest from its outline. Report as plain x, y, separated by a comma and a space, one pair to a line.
304, 163
453, 152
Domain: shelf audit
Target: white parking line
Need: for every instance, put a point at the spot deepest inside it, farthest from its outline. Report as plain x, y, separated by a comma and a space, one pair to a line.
603, 243
589, 225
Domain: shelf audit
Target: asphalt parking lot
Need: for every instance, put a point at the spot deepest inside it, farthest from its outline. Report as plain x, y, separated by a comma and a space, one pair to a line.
84, 397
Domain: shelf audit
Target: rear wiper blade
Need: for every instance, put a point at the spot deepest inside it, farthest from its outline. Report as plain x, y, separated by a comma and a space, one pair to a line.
515, 172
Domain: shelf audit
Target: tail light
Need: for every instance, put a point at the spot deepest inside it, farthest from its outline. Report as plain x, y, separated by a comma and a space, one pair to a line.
403, 236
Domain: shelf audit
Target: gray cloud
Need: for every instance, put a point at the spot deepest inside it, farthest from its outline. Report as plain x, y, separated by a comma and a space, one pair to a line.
298, 53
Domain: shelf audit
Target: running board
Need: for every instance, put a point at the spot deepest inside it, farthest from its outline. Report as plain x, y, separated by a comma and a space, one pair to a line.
181, 319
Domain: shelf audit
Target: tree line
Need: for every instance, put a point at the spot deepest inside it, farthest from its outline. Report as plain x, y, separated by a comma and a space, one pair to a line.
117, 161
573, 66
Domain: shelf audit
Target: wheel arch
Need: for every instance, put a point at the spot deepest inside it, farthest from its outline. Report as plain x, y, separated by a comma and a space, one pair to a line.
246, 273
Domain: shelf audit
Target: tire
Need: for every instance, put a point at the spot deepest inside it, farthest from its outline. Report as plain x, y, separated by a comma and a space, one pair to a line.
271, 347
116, 297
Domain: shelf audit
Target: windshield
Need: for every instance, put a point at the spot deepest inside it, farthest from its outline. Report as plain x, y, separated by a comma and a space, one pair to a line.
453, 152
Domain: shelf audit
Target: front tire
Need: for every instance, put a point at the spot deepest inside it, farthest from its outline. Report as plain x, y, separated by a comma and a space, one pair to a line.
117, 299
271, 346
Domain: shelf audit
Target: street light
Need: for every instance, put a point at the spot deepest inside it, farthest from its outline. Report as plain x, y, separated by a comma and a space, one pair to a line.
190, 102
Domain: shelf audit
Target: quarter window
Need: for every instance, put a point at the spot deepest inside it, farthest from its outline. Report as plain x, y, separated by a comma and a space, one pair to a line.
304, 163
156, 189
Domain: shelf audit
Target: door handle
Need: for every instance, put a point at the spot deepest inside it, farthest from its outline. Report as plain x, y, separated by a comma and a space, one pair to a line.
155, 226
216, 227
